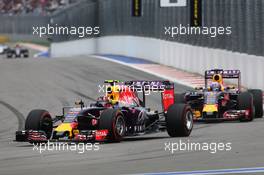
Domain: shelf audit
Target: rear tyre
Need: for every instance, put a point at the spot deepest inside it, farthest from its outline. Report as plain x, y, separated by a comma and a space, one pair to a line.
179, 120
258, 102
245, 102
113, 120
39, 120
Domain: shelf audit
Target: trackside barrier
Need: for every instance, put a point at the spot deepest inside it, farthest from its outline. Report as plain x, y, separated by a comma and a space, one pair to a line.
3, 39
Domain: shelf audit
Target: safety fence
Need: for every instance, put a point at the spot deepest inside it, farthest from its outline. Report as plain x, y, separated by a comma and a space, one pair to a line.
245, 17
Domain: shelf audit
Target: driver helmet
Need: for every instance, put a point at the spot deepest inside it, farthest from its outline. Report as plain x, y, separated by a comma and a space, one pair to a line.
215, 86
113, 94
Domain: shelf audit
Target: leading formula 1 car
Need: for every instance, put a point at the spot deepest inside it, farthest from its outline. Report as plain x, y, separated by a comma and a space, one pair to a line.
117, 114
216, 102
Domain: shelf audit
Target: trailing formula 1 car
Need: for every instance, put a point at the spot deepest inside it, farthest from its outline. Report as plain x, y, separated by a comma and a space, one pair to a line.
17, 52
117, 114
216, 102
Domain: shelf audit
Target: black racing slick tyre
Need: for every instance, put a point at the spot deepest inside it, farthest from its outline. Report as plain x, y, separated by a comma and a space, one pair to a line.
245, 102
9, 56
26, 54
258, 102
179, 120
113, 120
179, 98
39, 120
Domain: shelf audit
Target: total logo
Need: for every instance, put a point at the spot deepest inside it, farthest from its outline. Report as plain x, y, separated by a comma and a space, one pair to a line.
167, 96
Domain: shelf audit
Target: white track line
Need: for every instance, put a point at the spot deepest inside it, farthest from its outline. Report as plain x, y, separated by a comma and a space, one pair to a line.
213, 172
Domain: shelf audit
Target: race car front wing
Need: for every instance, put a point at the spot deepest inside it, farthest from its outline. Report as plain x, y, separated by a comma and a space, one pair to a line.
227, 116
83, 136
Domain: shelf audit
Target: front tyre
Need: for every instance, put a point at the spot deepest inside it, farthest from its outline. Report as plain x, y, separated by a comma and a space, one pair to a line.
26, 54
9, 55
245, 102
113, 120
179, 120
39, 120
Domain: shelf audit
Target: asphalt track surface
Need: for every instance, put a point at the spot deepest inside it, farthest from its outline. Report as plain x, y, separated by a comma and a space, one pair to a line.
27, 84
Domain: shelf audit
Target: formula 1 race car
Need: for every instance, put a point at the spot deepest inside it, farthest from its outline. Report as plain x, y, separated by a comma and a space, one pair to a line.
17, 52
119, 113
218, 102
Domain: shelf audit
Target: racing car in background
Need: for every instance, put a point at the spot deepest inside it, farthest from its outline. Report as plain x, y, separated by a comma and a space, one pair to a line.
117, 114
17, 52
217, 102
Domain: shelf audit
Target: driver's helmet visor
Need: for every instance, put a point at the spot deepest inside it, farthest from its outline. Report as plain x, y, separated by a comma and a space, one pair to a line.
215, 86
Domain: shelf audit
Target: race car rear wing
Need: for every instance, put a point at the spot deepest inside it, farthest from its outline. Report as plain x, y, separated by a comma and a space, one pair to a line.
229, 74
166, 88
150, 84
225, 74
112, 82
